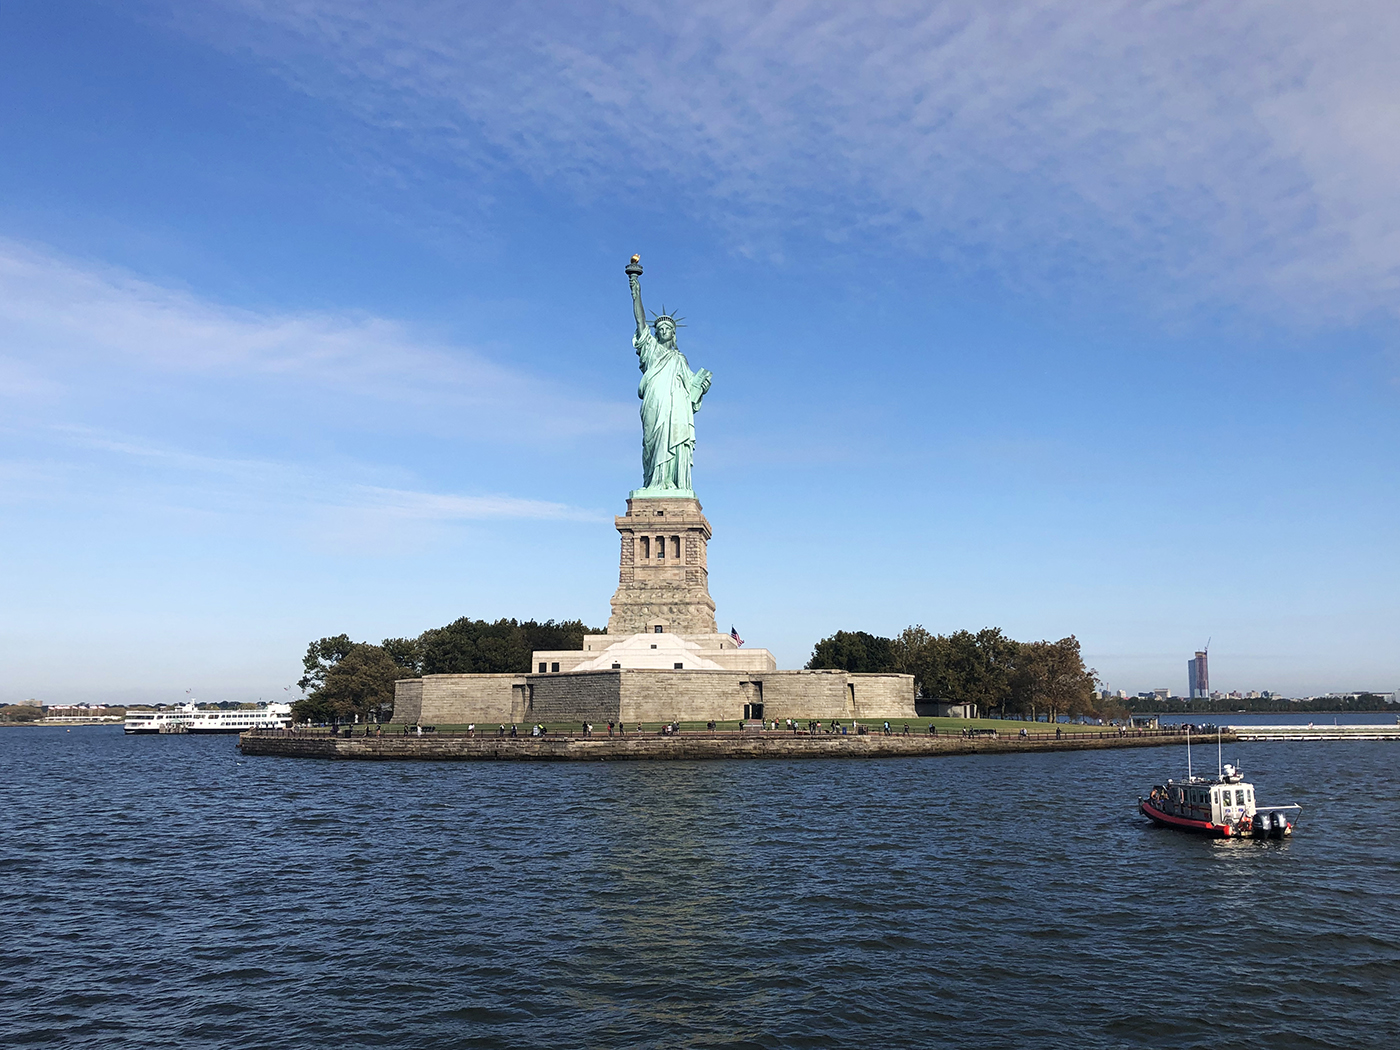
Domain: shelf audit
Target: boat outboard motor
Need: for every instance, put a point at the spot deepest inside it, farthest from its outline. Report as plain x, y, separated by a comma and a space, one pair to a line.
1263, 824
1280, 825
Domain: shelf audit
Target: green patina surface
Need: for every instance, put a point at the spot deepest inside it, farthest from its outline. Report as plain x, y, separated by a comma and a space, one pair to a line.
671, 395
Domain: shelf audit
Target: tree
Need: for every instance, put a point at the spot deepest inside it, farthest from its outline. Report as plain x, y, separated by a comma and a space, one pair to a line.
407, 653
468, 646
854, 651
980, 667
925, 656
1051, 677
320, 657
361, 682
567, 634
343, 678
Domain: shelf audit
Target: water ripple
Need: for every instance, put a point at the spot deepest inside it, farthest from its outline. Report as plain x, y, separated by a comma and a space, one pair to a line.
166, 892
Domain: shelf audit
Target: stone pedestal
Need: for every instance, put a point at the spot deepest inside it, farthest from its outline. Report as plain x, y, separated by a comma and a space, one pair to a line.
663, 579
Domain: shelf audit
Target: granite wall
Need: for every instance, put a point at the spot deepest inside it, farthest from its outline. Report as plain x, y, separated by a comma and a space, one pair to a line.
686, 746
637, 695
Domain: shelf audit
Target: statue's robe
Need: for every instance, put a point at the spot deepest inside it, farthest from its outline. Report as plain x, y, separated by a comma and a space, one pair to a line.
671, 396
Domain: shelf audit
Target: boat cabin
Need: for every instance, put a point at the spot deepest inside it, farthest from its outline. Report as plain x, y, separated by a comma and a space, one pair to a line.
1226, 800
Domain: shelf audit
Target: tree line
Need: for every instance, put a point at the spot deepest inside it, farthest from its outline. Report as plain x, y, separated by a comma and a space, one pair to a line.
1368, 703
1002, 676
344, 678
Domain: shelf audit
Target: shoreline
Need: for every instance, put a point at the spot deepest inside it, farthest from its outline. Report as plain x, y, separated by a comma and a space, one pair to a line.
443, 747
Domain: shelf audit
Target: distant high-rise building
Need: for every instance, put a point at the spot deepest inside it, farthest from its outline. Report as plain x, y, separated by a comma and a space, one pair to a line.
1197, 677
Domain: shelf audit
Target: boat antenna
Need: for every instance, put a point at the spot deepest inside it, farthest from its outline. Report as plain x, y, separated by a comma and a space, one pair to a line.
1219, 761
1188, 754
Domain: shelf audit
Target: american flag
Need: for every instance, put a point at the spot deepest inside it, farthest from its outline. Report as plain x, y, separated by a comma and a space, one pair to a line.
733, 633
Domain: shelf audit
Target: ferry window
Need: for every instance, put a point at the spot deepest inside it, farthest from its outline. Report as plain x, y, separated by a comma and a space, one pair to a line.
1239, 796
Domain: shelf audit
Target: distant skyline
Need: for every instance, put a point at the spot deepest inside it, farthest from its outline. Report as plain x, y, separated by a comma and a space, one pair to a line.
1052, 318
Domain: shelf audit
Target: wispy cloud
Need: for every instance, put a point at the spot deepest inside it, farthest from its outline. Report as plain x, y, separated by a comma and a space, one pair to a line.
180, 480
124, 398
60, 320
430, 506
1241, 152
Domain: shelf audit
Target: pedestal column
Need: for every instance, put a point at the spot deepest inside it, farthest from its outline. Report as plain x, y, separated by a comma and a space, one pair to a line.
663, 577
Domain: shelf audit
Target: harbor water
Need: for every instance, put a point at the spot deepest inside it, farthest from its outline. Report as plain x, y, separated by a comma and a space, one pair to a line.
166, 891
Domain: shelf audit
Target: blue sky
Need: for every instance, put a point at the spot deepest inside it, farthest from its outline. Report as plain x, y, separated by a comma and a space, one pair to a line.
1066, 320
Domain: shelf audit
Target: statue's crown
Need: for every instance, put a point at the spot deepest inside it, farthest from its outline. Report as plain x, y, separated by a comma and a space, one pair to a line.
675, 319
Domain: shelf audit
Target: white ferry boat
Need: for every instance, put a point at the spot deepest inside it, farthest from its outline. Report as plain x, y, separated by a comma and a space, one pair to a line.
171, 720
187, 718
273, 716
1222, 806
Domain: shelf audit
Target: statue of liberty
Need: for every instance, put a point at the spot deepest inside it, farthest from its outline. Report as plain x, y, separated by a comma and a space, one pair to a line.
671, 394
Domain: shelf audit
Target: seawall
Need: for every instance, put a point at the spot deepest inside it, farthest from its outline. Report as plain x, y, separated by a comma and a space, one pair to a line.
444, 747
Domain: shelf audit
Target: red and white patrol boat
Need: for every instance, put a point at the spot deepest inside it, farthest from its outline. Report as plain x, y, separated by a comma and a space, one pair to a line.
1222, 806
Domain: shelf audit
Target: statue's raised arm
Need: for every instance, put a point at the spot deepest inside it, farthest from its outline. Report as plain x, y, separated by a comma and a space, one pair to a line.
634, 273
